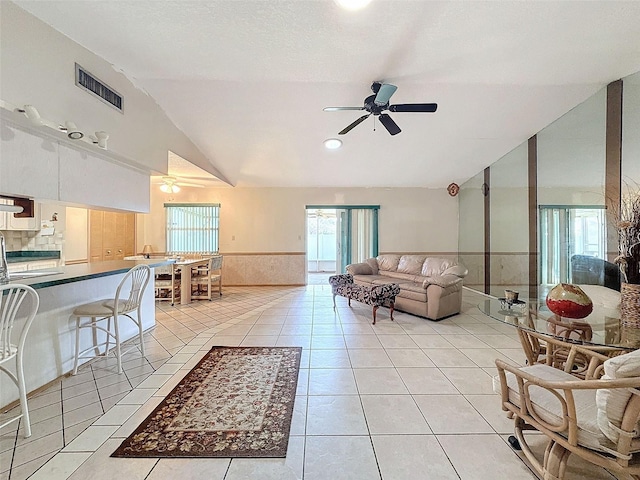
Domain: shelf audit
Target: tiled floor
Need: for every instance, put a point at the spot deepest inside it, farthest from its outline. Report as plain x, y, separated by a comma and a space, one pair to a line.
404, 399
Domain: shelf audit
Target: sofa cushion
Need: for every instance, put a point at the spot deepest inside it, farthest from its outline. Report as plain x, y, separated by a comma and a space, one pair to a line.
413, 292
612, 402
411, 264
360, 269
400, 276
388, 263
435, 266
373, 263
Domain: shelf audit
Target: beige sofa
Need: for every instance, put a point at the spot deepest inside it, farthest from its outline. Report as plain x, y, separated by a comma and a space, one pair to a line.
429, 287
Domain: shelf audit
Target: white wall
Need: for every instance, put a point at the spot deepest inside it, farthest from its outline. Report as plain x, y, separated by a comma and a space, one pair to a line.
273, 219
38, 69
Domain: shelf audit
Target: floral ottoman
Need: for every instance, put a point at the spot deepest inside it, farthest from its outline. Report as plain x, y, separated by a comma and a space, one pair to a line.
376, 296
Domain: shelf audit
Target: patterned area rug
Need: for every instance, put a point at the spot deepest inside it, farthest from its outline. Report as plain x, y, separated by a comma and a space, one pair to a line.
237, 402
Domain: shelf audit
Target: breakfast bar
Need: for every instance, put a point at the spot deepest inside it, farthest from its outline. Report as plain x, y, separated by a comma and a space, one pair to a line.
50, 345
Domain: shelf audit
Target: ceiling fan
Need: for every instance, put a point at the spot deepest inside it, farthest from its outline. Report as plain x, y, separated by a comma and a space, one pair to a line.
379, 102
172, 185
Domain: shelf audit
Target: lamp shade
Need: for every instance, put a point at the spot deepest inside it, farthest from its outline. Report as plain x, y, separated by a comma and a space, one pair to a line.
147, 249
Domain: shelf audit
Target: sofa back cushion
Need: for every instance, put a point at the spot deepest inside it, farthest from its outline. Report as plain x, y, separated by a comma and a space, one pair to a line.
388, 263
435, 266
411, 264
612, 402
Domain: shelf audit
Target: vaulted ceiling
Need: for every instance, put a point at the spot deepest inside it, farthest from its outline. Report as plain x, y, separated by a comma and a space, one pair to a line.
247, 80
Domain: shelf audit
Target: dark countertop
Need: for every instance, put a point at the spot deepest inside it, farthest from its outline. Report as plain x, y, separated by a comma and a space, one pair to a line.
77, 273
32, 256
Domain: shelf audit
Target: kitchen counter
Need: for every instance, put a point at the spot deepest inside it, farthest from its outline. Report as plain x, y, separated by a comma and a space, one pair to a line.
75, 273
50, 345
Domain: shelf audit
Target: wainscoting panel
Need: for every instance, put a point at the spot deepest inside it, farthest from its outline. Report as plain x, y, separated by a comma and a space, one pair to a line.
264, 269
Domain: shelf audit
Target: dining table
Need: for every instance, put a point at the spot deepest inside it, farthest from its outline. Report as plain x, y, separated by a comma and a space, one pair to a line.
602, 330
186, 267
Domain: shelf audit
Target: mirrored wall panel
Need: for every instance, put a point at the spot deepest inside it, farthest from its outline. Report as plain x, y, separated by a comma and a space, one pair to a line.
471, 231
571, 192
509, 223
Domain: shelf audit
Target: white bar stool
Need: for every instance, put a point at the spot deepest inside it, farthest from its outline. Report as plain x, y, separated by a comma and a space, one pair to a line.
12, 298
112, 308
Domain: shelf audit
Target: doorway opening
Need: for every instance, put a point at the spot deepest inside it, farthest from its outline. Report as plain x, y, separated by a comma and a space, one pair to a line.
566, 231
337, 237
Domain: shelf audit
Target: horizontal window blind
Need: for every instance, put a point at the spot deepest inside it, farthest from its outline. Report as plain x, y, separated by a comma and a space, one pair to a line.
192, 228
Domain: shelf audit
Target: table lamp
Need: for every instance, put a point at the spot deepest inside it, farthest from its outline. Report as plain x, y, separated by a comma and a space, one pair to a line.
147, 251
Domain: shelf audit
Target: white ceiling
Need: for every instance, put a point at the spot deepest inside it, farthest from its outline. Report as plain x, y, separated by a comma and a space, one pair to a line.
247, 80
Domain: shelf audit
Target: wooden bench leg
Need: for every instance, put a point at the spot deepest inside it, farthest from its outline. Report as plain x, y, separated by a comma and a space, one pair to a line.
375, 309
349, 301
391, 310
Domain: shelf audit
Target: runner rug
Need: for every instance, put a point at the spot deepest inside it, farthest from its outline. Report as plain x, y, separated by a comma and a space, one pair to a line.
237, 402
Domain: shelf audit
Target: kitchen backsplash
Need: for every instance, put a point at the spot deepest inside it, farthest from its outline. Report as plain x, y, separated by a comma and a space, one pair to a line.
20, 240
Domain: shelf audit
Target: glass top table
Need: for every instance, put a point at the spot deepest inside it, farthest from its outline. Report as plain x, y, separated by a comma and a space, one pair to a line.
602, 328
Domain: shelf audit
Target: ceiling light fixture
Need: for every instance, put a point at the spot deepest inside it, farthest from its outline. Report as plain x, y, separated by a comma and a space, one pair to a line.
332, 143
169, 185
352, 5
169, 188
32, 114
72, 131
102, 139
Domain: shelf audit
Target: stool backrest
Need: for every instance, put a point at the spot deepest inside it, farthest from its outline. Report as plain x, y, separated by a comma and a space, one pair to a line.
138, 277
12, 297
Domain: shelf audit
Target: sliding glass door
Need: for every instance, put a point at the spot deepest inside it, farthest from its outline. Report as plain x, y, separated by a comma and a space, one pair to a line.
356, 233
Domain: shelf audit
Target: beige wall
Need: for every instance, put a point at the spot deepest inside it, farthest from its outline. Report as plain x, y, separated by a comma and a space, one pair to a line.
272, 221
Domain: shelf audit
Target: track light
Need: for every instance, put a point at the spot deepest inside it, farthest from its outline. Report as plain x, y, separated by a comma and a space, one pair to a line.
32, 114
72, 131
102, 139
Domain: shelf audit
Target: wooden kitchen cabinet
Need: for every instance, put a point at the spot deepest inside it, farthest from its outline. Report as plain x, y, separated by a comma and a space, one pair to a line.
111, 235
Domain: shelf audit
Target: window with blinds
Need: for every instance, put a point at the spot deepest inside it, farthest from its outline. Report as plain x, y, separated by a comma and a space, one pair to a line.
192, 227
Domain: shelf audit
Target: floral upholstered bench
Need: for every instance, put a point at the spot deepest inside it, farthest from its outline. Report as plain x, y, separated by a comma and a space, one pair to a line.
374, 295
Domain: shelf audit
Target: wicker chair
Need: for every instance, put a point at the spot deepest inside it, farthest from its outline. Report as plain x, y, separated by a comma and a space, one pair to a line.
596, 418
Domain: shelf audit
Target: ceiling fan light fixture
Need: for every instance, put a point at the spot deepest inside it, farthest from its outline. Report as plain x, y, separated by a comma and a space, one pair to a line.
169, 188
332, 143
352, 5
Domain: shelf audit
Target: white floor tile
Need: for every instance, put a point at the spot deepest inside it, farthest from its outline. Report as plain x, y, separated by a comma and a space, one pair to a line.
412, 456
340, 458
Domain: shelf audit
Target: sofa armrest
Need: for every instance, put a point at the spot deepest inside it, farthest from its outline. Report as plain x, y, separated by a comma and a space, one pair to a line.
359, 269
444, 281
458, 270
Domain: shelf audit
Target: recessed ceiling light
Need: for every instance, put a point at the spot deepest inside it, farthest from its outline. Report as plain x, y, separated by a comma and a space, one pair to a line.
332, 143
352, 4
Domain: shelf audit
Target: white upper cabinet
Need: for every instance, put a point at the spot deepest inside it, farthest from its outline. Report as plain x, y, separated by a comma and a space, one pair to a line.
28, 164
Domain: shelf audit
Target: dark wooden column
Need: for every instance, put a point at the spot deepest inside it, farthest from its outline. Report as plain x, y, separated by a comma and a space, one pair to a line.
532, 162
486, 191
613, 163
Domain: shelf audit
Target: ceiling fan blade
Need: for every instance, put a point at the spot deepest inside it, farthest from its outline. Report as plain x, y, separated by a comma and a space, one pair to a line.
336, 109
353, 125
389, 124
184, 184
414, 107
384, 94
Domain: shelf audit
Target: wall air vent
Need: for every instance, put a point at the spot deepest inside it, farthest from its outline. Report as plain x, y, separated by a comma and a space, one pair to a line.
91, 84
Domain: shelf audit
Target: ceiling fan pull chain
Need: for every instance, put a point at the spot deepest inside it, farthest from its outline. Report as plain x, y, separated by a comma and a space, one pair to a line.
374, 123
